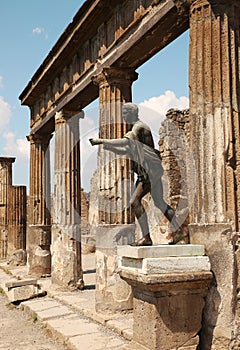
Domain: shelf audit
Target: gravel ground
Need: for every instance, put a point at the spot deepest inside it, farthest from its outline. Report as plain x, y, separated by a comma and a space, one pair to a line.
19, 332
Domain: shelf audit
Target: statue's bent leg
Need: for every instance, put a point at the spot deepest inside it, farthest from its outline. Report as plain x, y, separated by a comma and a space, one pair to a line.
140, 191
177, 233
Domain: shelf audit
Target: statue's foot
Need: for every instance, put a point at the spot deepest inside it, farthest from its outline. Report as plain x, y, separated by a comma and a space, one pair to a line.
144, 241
179, 236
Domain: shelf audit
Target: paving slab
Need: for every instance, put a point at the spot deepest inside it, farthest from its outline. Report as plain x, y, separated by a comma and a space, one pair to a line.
41, 304
71, 316
71, 326
96, 341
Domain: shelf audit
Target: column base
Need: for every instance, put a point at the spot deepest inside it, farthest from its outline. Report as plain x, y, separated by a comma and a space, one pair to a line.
17, 257
168, 304
38, 249
112, 293
66, 257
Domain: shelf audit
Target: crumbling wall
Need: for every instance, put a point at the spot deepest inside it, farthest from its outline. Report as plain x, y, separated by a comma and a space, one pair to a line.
178, 177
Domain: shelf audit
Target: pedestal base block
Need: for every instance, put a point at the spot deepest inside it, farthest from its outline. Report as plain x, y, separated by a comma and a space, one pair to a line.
112, 293
168, 298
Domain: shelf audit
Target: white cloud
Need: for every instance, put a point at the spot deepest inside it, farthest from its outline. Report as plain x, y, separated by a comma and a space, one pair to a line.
5, 112
38, 30
18, 148
1, 81
153, 111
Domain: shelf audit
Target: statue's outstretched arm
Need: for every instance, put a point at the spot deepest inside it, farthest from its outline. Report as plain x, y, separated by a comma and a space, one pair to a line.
118, 146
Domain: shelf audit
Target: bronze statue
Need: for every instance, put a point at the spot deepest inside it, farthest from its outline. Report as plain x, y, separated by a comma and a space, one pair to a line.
138, 144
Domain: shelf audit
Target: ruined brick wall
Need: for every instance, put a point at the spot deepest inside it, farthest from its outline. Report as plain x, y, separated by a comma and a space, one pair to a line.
89, 237
177, 161
84, 213
177, 164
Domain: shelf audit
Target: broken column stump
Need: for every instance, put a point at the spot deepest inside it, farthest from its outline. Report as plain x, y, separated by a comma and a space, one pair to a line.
169, 285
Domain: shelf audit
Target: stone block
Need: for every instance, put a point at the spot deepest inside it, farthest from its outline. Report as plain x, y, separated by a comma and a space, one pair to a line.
166, 265
112, 292
24, 292
20, 283
161, 250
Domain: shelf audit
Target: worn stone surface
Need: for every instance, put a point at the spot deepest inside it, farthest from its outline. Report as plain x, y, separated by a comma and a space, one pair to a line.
38, 249
220, 309
112, 293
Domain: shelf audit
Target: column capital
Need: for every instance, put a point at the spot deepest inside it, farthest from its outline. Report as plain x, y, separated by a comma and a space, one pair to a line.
215, 5
112, 75
64, 115
40, 138
7, 160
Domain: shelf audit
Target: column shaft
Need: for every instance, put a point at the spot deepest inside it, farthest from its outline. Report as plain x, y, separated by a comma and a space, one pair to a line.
116, 178
115, 187
5, 184
214, 112
17, 224
66, 235
39, 230
214, 107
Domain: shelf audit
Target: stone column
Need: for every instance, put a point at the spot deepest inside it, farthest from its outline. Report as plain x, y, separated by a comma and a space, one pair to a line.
214, 112
115, 187
17, 225
39, 229
66, 235
5, 183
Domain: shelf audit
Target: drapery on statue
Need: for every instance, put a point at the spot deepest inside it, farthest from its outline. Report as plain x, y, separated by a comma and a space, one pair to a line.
138, 144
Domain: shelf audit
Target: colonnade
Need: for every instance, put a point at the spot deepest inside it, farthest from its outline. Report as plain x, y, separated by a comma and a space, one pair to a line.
55, 244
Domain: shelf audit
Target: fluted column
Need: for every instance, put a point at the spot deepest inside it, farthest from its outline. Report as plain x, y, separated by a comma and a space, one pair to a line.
115, 187
17, 224
5, 183
116, 178
39, 229
214, 108
215, 143
66, 235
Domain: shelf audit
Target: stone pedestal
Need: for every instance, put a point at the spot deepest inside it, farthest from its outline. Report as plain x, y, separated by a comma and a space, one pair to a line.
168, 294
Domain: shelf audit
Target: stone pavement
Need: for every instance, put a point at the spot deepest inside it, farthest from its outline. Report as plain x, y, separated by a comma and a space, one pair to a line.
70, 316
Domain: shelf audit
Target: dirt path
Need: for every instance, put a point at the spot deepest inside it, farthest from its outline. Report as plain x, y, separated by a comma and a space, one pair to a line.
20, 332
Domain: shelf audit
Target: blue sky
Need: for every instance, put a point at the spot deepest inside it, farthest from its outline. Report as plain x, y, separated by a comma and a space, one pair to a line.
29, 29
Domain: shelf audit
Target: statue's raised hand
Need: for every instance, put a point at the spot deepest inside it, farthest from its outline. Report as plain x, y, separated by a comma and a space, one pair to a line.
95, 141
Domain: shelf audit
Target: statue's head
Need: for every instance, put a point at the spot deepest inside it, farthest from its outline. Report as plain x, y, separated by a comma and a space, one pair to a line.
130, 112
